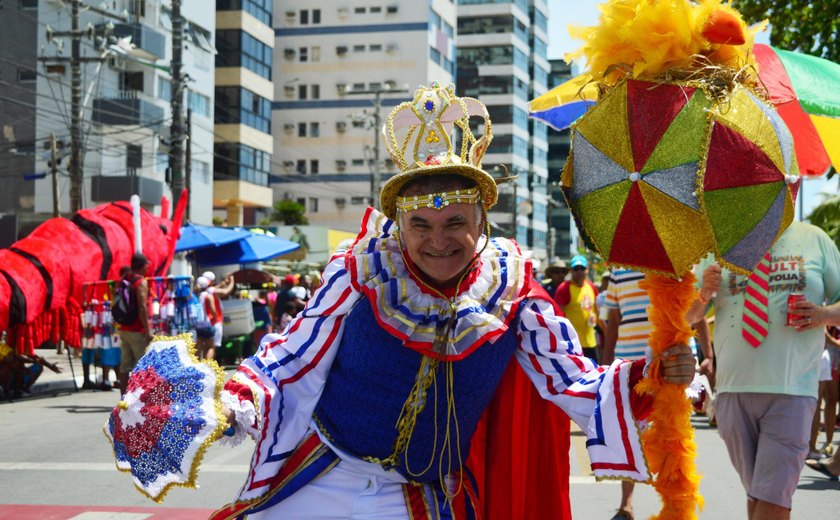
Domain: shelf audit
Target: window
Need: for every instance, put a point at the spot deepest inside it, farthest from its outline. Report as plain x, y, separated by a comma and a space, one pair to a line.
164, 89
376, 9
375, 47
301, 91
313, 205
313, 166
358, 162
235, 160
316, 16
201, 171
238, 105
301, 129
302, 202
358, 48
303, 54
27, 75
304, 17
315, 91
28, 4
314, 129
358, 86
240, 49
259, 9
199, 104
316, 54
360, 10
301, 166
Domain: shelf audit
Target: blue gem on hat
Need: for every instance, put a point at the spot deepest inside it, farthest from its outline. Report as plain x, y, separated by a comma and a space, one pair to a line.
430, 106
438, 201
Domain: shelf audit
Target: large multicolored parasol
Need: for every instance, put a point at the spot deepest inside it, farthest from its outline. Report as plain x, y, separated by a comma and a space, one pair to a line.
802, 88
660, 174
168, 417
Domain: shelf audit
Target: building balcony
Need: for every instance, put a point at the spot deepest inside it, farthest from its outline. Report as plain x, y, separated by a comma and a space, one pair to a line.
127, 107
121, 187
148, 43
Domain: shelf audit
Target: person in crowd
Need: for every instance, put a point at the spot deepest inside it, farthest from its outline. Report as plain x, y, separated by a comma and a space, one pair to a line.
826, 401
626, 337
602, 316
210, 298
18, 372
828, 466
576, 298
766, 371
136, 336
554, 276
284, 295
369, 399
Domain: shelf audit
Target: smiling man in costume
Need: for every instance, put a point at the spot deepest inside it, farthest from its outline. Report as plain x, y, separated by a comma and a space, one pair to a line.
366, 405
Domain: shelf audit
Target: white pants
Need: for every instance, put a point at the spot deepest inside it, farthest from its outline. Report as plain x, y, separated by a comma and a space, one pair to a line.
343, 493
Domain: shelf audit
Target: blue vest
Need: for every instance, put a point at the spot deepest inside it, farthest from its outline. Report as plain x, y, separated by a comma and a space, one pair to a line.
371, 379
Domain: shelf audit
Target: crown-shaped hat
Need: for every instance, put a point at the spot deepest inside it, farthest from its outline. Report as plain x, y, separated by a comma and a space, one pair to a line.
431, 135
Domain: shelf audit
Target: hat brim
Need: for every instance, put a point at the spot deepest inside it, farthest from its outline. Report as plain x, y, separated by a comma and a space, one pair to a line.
390, 190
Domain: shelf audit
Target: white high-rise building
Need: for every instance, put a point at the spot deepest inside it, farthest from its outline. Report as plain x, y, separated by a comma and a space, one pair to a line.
330, 60
125, 102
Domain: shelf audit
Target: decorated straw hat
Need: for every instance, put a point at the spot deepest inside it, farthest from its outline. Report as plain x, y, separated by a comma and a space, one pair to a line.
431, 135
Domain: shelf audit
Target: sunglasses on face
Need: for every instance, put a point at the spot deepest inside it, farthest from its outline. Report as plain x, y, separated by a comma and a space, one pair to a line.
578, 268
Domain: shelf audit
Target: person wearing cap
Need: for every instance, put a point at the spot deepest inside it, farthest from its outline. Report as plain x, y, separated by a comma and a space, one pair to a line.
368, 402
576, 298
210, 298
555, 274
136, 336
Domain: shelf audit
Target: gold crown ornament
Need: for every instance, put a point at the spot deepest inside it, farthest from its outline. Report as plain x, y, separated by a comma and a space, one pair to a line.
421, 134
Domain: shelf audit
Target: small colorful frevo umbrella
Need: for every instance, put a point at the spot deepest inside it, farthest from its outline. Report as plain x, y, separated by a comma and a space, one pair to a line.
661, 174
168, 417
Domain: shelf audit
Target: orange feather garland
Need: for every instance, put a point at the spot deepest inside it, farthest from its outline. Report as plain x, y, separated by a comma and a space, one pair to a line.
669, 442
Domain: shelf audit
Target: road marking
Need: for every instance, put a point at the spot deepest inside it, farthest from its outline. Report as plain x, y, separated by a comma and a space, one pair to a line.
577, 479
105, 466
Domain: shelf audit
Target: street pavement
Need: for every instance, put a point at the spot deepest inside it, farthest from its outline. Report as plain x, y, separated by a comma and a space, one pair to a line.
55, 463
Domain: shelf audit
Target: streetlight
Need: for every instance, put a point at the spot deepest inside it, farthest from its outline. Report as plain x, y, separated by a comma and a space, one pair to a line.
377, 123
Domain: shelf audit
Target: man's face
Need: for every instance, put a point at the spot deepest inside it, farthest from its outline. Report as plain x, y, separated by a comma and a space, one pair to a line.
579, 274
442, 243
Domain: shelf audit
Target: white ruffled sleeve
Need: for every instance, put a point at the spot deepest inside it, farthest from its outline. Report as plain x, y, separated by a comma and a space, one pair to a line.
274, 392
596, 398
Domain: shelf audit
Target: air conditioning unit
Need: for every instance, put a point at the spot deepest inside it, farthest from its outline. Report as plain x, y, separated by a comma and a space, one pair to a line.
343, 12
358, 123
390, 84
290, 14
391, 47
289, 127
341, 50
288, 164
342, 88
289, 53
341, 126
340, 202
340, 165
289, 89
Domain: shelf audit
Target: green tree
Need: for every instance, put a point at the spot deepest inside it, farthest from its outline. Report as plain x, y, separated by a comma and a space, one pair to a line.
798, 25
826, 216
289, 212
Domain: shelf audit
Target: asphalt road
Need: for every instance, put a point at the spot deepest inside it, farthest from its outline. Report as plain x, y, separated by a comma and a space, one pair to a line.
55, 463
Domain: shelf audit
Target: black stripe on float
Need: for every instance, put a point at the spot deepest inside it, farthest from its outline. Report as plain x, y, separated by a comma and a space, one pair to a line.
96, 233
17, 304
48, 281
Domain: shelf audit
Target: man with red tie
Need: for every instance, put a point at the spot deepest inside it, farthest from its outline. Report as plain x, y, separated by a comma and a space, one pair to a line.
767, 367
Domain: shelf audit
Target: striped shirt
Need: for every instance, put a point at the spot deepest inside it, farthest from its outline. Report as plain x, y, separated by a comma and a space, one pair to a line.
625, 295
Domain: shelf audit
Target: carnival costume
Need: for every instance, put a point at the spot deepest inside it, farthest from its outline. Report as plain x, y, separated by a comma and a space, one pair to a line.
383, 373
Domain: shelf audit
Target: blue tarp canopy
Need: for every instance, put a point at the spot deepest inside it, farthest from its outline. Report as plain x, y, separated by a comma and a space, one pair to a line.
195, 236
255, 247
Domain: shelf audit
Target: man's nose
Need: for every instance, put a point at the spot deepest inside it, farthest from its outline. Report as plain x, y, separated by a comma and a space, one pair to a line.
439, 238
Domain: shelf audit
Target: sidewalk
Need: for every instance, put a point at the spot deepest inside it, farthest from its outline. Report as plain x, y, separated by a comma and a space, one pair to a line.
51, 383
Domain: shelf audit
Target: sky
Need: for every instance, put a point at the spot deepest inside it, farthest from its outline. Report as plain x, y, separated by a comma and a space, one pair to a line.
562, 13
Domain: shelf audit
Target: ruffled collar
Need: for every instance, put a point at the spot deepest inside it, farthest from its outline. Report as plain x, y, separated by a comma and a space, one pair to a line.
444, 329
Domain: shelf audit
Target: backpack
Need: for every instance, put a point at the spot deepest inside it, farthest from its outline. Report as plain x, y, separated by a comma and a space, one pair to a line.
124, 309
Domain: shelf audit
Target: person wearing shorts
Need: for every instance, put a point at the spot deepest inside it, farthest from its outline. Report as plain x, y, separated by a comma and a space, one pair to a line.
766, 386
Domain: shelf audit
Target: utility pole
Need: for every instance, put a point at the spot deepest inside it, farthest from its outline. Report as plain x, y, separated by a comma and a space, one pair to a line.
188, 159
76, 177
54, 173
515, 211
376, 124
176, 150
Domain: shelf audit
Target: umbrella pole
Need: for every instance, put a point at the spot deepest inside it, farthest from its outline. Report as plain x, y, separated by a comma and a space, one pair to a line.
669, 441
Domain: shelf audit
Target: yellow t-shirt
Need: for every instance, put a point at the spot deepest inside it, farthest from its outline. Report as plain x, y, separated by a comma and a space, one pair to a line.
578, 304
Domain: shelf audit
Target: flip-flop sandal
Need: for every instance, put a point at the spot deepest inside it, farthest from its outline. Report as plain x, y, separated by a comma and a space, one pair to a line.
820, 466
622, 514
